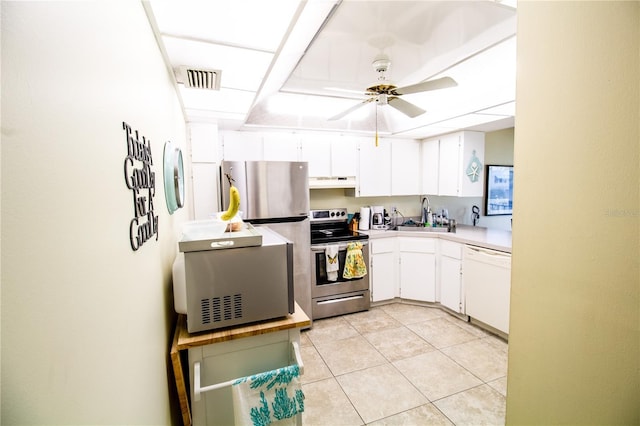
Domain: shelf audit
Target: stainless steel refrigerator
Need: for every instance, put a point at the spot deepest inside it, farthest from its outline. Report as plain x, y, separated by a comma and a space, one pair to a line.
276, 194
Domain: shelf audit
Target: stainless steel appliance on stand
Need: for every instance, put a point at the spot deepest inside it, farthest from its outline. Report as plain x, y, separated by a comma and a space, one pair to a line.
330, 230
276, 194
214, 287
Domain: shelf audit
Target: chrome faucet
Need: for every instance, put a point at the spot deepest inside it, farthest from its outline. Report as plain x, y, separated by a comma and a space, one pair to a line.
423, 218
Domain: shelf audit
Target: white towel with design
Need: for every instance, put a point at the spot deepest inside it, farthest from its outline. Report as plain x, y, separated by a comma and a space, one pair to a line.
273, 397
331, 254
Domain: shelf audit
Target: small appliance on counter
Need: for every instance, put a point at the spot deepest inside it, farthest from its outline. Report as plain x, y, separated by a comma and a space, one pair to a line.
223, 279
377, 217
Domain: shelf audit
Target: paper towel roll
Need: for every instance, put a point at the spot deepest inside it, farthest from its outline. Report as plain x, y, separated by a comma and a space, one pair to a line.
365, 218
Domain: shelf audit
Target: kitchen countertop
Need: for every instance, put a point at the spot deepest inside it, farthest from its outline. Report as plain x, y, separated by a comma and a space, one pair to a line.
186, 340
496, 239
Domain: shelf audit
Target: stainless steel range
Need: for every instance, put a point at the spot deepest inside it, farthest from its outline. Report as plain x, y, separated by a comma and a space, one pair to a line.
332, 294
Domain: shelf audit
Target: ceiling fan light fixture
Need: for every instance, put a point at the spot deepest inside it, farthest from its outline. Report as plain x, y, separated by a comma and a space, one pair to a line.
381, 63
385, 92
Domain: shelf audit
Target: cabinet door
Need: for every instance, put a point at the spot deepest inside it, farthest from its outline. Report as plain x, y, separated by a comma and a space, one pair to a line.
242, 146
430, 159
449, 169
417, 276
344, 156
405, 167
451, 284
417, 268
472, 163
205, 190
374, 168
458, 153
204, 143
316, 150
451, 289
383, 269
281, 147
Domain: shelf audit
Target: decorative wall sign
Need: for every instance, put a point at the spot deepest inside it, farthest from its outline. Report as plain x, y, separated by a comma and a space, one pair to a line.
474, 168
173, 177
141, 180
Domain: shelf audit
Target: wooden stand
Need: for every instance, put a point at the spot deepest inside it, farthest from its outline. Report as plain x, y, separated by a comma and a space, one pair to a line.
182, 340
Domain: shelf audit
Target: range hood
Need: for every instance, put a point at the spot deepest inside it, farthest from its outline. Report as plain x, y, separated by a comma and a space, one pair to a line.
332, 182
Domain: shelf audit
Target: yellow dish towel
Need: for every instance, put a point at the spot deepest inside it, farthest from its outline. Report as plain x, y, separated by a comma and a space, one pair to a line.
354, 266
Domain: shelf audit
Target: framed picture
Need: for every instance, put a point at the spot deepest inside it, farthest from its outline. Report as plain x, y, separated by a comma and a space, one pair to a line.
499, 190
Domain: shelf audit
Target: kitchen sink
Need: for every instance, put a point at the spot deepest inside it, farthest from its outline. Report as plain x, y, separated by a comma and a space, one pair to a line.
418, 228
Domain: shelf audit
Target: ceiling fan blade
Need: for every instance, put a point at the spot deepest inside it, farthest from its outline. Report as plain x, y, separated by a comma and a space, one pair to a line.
350, 110
405, 107
441, 83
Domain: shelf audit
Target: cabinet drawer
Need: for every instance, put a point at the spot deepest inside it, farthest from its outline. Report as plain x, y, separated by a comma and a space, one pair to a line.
384, 245
451, 249
418, 245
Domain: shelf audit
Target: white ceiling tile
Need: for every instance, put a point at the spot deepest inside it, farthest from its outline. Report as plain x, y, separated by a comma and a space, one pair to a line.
508, 108
256, 24
234, 101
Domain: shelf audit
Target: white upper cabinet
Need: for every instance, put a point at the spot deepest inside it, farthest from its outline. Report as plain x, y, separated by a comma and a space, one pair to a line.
374, 168
460, 164
242, 146
316, 150
204, 143
390, 169
430, 166
330, 156
405, 167
344, 156
281, 147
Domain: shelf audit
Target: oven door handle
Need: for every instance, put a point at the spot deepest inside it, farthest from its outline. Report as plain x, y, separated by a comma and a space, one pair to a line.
341, 246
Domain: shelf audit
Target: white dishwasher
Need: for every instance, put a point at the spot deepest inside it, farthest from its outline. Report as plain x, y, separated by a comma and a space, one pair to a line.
486, 275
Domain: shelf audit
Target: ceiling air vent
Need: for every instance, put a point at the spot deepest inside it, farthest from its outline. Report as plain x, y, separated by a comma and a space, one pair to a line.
199, 78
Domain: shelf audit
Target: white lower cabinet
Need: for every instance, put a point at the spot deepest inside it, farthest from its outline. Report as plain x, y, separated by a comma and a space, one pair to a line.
382, 268
468, 280
451, 290
417, 258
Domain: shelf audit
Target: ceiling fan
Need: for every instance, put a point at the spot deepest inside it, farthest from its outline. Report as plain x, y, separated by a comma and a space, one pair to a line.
384, 92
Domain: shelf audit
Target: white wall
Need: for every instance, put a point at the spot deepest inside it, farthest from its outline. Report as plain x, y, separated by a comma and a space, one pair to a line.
86, 321
574, 342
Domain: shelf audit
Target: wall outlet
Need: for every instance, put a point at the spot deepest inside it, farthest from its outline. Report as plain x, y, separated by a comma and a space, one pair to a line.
393, 210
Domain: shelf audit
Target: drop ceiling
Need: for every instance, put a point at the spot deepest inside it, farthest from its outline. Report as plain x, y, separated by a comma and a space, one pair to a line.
291, 64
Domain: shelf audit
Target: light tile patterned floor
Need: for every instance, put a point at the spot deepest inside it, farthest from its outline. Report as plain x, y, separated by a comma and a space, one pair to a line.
402, 364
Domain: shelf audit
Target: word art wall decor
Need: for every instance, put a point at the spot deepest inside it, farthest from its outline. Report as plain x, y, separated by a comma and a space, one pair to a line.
141, 180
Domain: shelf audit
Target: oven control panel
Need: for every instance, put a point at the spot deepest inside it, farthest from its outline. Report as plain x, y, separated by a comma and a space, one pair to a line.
326, 215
